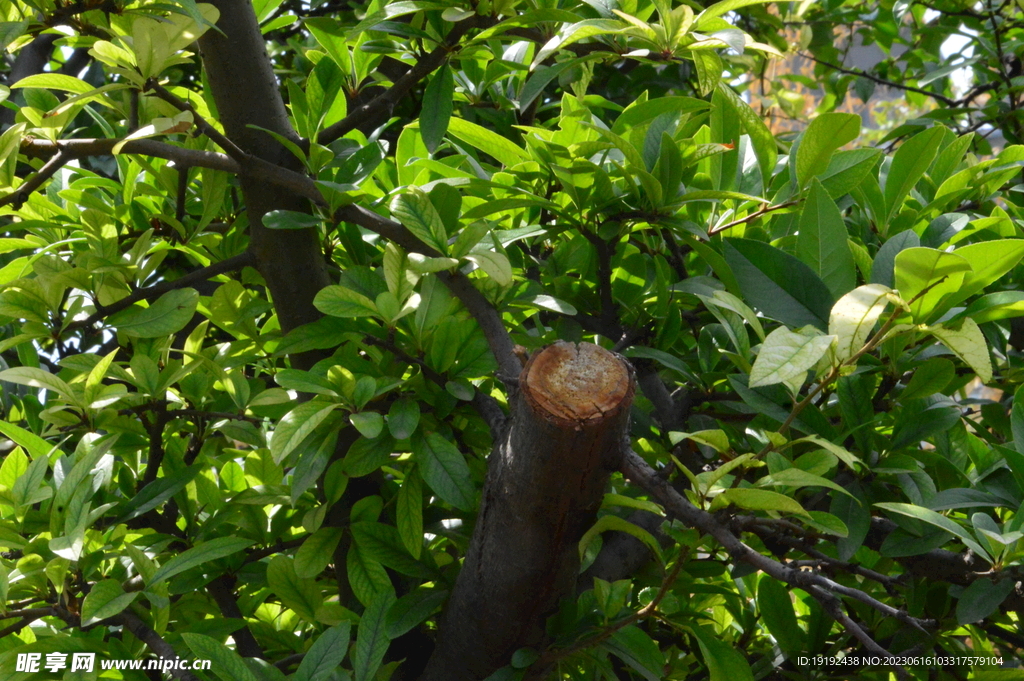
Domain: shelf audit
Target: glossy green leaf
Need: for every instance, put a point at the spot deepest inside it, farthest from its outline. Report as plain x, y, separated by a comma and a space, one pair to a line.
821, 241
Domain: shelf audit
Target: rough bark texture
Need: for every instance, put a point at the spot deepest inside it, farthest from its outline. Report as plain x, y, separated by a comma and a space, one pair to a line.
545, 483
246, 93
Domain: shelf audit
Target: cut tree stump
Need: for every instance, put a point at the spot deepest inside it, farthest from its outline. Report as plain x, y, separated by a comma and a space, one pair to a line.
545, 482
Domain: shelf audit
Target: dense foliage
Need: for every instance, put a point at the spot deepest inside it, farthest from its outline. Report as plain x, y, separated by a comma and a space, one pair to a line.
217, 445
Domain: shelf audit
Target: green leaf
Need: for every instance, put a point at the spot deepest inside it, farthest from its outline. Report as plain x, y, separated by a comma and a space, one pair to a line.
724, 662
316, 552
496, 265
414, 210
847, 169
105, 599
588, 28
409, 514
607, 523
969, 345
776, 608
634, 647
168, 315
290, 219
158, 491
225, 663
995, 306
507, 153
300, 594
55, 81
341, 301
324, 656
708, 66
403, 418
36, 378
786, 356
854, 316
909, 163
204, 553
761, 138
989, 260
411, 609
828, 523
761, 500
368, 423
918, 269
778, 284
297, 425
444, 469
721, 8
795, 477
981, 599
929, 378
823, 136
437, 107
372, 640
940, 521
36, 446
28, 483
821, 241
636, 114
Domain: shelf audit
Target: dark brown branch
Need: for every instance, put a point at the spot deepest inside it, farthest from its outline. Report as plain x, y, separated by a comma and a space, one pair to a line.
380, 107
253, 167
637, 470
882, 81
222, 590
156, 443
32, 613
21, 194
179, 199
17, 626
153, 641
231, 264
204, 126
545, 482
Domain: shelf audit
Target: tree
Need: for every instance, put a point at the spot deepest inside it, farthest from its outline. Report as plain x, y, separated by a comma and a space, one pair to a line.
417, 341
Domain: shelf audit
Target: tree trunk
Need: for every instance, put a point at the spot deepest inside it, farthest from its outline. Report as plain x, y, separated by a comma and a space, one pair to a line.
246, 93
545, 482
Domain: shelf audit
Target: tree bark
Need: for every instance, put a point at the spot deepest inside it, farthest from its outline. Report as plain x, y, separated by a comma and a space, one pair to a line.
545, 482
246, 93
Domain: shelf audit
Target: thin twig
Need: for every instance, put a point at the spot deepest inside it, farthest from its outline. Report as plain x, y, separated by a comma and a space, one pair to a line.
231, 264
232, 149
55, 163
382, 104
753, 216
881, 81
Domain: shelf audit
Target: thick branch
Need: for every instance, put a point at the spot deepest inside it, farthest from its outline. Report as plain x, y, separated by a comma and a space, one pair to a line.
545, 483
222, 590
246, 92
